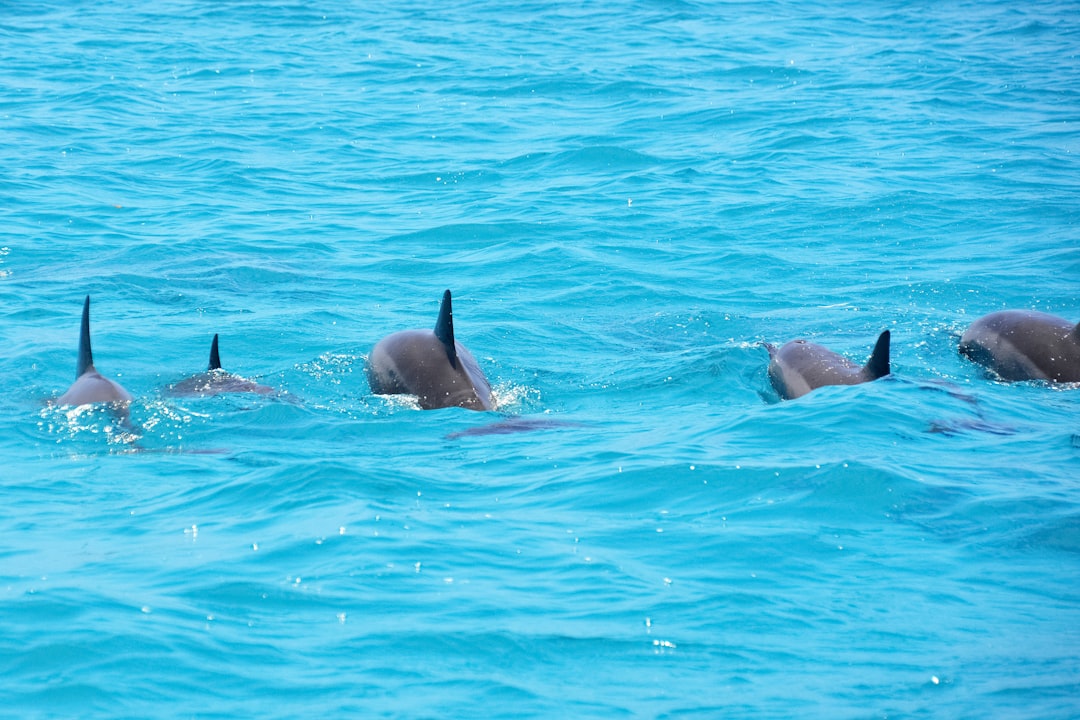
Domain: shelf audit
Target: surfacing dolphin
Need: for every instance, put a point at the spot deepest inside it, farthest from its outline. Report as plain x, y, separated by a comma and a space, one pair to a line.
1025, 345
216, 381
431, 365
800, 366
90, 386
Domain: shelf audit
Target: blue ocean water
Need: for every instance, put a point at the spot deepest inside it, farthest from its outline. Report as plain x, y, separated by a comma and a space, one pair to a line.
627, 200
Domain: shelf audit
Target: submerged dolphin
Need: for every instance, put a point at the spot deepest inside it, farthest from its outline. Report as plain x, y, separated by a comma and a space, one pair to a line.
216, 381
800, 366
90, 386
1025, 345
431, 365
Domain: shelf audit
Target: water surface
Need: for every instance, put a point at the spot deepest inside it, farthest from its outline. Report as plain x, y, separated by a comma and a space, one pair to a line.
627, 201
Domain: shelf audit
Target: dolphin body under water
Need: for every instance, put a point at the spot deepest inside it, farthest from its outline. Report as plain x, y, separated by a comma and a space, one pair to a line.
430, 364
1025, 345
216, 381
800, 366
90, 386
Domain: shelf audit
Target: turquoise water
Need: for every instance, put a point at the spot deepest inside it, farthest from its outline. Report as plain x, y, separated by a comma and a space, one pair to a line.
627, 200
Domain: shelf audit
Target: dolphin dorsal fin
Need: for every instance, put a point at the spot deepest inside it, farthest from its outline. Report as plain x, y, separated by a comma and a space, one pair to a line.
86, 357
215, 359
878, 365
444, 329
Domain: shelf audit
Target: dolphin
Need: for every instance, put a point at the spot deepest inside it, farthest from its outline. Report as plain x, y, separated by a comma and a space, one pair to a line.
216, 381
800, 366
1025, 345
90, 386
431, 365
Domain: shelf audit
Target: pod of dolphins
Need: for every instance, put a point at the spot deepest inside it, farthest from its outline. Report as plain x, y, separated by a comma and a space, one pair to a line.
1013, 345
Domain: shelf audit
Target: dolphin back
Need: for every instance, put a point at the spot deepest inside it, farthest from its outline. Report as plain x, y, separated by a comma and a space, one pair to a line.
878, 365
1021, 345
90, 386
799, 366
431, 365
86, 356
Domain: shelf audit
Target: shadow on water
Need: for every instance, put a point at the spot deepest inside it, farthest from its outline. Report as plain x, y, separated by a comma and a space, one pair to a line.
515, 424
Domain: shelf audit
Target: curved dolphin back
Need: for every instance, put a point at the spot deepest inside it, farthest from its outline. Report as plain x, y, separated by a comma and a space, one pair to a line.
216, 381
431, 365
1017, 345
215, 359
90, 386
444, 329
86, 356
878, 364
799, 367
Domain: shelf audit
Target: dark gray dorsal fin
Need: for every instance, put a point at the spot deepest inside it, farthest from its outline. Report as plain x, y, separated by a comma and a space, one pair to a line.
1076, 332
444, 329
86, 357
215, 359
878, 365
